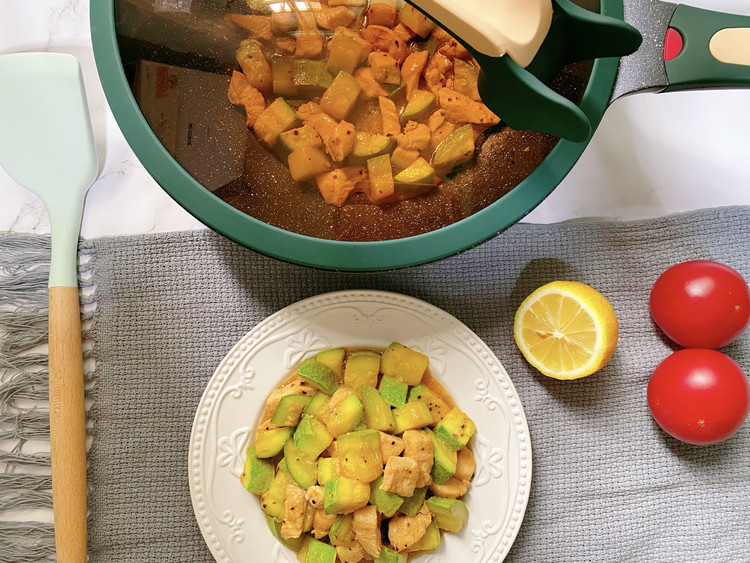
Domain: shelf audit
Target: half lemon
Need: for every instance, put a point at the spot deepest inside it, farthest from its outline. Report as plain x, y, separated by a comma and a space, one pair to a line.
566, 329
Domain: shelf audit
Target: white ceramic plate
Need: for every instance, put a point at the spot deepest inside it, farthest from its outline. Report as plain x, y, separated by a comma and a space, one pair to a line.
230, 518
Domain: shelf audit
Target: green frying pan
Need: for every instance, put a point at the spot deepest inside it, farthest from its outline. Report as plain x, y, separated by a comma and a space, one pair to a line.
688, 36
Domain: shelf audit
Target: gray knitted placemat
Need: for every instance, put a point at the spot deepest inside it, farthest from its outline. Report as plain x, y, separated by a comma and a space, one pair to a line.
608, 485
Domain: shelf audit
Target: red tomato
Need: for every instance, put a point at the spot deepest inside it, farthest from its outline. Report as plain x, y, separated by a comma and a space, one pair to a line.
699, 396
701, 304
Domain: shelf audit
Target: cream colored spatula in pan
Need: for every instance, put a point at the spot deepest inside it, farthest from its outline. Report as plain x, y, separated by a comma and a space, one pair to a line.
47, 146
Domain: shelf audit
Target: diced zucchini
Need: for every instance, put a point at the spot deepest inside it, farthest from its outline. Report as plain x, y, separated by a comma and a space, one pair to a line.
289, 409
377, 414
317, 405
412, 416
272, 502
311, 77
275, 119
361, 368
257, 474
430, 540
344, 495
333, 358
388, 556
312, 437
346, 51
437, 406
450, 514
456, 428
307, 162
418, 173
411, 505
319, 552
415, 20
420, 104
385, 502
269, 440
342, 530
446, 458
368, 145
455, 149
282, 69
255, 65
340, 97
380, 174
466, 77
404, 364
328, 468
302, 468
359, 455
393, 391
295, 138
318, 375
343, 417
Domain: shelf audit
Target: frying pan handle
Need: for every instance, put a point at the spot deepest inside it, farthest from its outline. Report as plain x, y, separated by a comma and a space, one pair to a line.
712, 49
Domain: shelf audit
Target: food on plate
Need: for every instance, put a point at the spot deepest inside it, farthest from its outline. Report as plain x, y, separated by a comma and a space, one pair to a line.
366, 123
701, 304
566, 329
699, 396
361, 454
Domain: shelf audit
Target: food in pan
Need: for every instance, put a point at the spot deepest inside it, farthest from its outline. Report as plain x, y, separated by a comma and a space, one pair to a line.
373, 118
387, 106
361, 454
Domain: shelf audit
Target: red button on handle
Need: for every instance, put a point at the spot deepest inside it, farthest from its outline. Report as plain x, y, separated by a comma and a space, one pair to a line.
673, 44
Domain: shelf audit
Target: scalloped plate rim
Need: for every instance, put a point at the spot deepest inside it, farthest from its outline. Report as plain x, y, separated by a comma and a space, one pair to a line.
451, 333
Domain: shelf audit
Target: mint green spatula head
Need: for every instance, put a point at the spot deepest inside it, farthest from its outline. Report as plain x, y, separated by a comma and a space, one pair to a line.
47, 145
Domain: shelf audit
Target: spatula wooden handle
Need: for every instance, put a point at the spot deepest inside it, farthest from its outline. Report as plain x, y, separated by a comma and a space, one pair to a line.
67, 424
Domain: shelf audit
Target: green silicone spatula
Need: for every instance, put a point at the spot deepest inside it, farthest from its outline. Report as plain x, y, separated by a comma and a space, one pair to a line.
47, 146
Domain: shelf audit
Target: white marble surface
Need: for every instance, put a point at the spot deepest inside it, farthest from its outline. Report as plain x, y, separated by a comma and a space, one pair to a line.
653, 154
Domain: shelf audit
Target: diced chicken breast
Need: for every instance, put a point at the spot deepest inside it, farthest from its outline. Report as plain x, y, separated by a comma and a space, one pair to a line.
416, 136
435, 72
322, 523
314, 496
400, 476
295, 506
390, 446
386, 40
418, 446
462, 109
309, 39
389, 116
366, 526
384, 67
332, 17
405, 531
465, 465
350, 553
258, 27
454, 50
371, 87
242, 93
411, 71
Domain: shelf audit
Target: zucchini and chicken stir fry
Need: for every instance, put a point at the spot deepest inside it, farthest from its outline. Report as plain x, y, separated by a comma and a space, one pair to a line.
359, 97
361, 455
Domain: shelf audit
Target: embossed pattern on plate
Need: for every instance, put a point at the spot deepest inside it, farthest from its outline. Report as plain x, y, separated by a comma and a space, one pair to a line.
230, 518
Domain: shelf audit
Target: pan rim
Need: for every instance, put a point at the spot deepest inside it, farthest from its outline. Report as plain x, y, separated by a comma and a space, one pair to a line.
323, 253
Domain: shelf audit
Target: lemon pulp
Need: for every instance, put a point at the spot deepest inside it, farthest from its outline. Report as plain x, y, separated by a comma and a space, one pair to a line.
566, 330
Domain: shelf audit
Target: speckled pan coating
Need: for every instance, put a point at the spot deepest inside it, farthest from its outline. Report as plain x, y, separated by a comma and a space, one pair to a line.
644, 69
